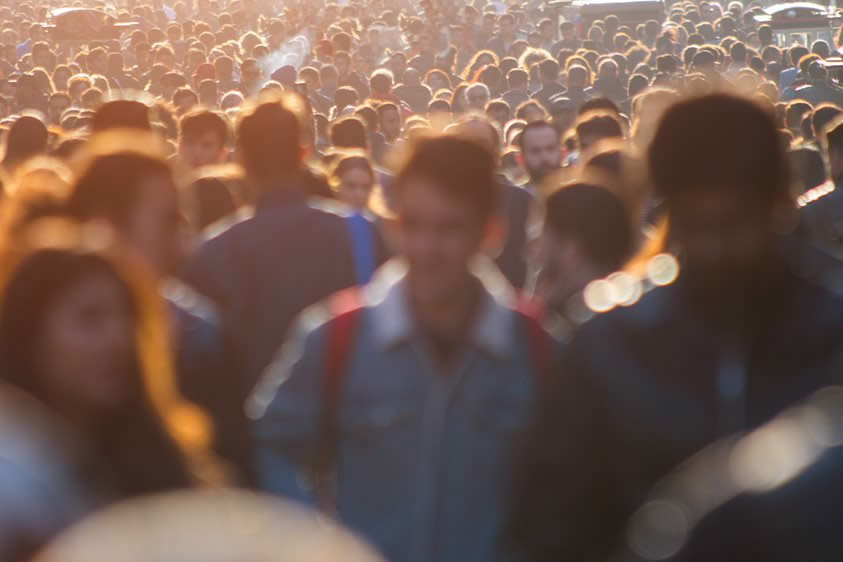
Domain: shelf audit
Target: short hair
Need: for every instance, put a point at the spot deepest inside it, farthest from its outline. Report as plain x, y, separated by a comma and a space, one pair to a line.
349, 132
386, 106
738, 52
808, 166
459, 167
199, 122
439, 106
526, 106
349, 161
833, 135
796, 53
794, 112
549, 70
345, 96
269, 137
121, 114
601, 124
517, 77
381, 80
595, 219
534, 126
599, 104
185, 91
692, 152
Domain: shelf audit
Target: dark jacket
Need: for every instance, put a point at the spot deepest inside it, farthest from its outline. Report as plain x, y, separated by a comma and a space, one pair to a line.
548, 91
643, 388
516, 206
264, 266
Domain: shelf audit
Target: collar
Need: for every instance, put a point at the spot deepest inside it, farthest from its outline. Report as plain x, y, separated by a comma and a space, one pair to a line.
392, 319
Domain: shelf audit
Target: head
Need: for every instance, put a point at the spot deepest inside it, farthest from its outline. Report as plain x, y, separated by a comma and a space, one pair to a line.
353, 178
144, 211
725, 204
833, 142
389, 121
203, 138
26, 138
477, 96
587, 235
269, 139
445, 198
541, 150
595, 126
349, 132
58, 104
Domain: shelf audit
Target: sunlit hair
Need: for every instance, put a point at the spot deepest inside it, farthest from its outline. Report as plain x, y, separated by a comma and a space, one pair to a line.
474, 65
41, 263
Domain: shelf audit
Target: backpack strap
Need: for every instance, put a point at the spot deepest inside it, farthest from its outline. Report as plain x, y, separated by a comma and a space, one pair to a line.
539, 341
346, 308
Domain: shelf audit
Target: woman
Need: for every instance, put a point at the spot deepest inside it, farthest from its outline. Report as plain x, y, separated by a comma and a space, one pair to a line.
82, 333
27, 138
353, 178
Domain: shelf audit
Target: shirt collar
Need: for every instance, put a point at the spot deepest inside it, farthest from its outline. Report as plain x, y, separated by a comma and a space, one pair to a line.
393, 322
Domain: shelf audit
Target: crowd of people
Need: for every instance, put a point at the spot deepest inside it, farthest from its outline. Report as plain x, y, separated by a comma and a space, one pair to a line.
474, 279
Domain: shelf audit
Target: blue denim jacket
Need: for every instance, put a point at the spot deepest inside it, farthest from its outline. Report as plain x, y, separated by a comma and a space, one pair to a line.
424, 459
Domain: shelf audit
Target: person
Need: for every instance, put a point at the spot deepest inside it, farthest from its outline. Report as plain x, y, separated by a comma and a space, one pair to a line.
517, 80
353, 177
203, 138
821, 206
422, 464
549, 74
412, 92
540, 144
699, 357
594, 126
587, 235
86, 387
817, 89
389, 122
264, 268
145, 212
26, 138
578, 86
477, 96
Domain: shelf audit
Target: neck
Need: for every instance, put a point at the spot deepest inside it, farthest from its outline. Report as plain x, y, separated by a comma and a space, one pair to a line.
447, 323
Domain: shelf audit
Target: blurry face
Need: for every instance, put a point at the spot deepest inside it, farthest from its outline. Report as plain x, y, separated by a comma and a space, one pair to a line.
563, 271
542, 152
155, 229
86, 353
438, 235
356, 188
721, 237
57, 107
202, 150
391, 124
477, 99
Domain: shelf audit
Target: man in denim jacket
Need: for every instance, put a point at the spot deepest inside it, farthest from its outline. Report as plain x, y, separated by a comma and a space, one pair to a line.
438, 386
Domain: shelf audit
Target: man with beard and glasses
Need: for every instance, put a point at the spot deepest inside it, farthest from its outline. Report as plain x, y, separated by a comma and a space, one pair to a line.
541, 153
740, 334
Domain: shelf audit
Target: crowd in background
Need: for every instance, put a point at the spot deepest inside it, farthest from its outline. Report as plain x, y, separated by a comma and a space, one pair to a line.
475, 279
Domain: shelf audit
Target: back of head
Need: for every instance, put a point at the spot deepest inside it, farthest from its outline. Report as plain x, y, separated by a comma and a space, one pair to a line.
739, 151
269, 138
26, 138
597, 125
594, 218
349, 132
121, 114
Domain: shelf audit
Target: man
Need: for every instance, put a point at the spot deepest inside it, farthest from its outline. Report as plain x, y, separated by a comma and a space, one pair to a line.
421, 463
578, 78
389, 121
518, 81
501, 43
203, 138
58, 103
412, 92
789, 75
348, 75
822, 211
541, 153
594, 126
549, 74
268, 266
818, 89
739, 335
587, 235
477, 96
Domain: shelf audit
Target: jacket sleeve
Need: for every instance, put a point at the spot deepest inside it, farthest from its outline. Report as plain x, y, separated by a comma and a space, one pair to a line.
286, 411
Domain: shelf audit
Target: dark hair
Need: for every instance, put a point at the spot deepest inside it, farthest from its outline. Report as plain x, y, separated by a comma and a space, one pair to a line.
595, 219
35, 277
601, 124
121, 114
214, 200
794, 112
517, 77
95, 194
796, 53
198, 122
269, 139
461, 168
833, 135
691, 151
345, 96
599, 104
823, 115
380, 82
808, 166
26, 138
349, 132
350, 161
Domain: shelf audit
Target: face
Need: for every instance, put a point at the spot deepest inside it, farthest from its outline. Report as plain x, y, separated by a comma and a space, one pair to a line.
542, 152
356, 188
563, 271
438, 235
86, 352
155, 230
391, 124
477, 99
203, 150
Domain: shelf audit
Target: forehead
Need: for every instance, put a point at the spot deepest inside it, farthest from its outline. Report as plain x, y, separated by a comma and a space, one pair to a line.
539, 136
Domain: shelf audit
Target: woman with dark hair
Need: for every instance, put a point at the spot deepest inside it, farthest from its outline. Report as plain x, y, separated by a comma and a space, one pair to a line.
83, 334
27, 138
492, 77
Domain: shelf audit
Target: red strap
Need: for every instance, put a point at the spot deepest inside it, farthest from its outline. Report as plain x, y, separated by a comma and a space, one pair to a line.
538, 339
345, 307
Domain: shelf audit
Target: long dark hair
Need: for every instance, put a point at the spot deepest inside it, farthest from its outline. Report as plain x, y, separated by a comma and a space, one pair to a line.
156, 441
